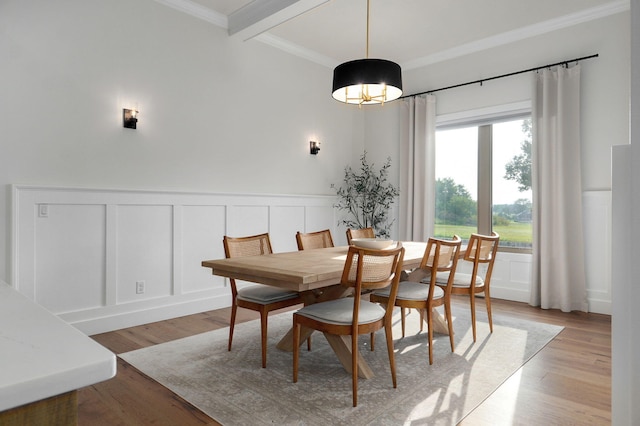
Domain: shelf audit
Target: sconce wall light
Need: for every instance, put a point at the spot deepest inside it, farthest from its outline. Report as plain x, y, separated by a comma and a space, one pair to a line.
129, 118
314, 147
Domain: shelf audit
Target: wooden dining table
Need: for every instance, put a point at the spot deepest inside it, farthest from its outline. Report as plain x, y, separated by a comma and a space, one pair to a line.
316, 275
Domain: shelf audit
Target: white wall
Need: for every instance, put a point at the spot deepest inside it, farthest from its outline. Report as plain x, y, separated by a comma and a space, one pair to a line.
216, 115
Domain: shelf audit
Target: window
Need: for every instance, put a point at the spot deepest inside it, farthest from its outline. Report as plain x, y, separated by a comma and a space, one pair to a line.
483, 180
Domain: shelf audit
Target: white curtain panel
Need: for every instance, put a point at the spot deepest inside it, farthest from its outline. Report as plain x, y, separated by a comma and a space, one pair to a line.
417, 167
559, 280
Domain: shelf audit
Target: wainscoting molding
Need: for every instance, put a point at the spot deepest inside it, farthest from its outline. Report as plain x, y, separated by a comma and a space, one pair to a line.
82, 253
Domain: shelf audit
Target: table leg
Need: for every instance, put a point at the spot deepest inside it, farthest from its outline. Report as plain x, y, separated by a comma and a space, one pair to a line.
286, 343
341, 345
439, 323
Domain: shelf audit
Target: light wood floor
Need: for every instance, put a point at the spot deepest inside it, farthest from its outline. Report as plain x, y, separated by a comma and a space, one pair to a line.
567, 383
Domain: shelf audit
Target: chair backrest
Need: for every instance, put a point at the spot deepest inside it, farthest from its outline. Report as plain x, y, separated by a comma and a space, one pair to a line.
442, 253
254, 245
359, 233
441, 256
369, 269
314, 240
482, 249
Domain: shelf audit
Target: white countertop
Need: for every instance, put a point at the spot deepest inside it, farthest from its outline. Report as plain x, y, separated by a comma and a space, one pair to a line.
41, 355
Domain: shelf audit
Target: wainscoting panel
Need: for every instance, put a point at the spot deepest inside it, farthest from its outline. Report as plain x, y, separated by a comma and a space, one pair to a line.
203, 229
70, 250
143, 252
84, 254
285, 221
318, 218
247, 220
511, 277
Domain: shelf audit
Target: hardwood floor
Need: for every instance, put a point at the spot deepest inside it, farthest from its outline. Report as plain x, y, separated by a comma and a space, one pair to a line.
567, 383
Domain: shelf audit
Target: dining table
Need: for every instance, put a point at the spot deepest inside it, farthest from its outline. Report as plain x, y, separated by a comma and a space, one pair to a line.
316, 275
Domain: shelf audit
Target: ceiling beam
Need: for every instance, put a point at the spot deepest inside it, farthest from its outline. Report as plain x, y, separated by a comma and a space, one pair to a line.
195, 9
262, 15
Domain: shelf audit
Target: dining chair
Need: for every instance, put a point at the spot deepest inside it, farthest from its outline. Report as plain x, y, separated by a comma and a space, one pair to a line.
352, 316
439, 256
314, 240
258, 297
481, 253
359, 233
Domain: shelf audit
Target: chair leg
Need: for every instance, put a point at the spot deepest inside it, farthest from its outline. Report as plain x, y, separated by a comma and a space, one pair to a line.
354, 367
487, 299
402, 319
309, 344
296, 349
373, 336
421, 320
263, 330
232, 322
447, 311
472, 302
430, 332
392, 359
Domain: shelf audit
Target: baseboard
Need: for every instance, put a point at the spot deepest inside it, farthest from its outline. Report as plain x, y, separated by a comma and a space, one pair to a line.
596, 306
119, 320
510, 294
600, 306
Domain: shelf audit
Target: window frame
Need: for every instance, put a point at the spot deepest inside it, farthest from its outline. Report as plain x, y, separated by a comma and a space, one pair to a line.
484, 118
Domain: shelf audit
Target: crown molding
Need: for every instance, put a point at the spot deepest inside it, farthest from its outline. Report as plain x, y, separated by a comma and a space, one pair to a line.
555, 24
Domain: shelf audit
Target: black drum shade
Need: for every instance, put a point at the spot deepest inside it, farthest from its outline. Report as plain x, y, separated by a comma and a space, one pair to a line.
367, 81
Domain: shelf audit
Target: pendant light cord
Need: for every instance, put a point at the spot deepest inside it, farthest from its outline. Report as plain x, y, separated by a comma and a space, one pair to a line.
367, 49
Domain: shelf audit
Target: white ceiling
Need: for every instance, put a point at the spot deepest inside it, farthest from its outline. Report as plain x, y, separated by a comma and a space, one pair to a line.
411, 32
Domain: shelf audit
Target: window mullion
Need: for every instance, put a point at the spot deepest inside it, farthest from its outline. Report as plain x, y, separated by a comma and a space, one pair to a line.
485, 141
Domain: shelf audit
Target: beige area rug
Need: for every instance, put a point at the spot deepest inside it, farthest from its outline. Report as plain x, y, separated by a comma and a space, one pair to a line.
233, 389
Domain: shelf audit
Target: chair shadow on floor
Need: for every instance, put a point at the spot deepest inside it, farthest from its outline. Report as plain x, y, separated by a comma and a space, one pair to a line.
418, 341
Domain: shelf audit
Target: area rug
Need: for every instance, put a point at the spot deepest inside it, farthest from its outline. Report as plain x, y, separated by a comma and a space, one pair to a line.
232, 388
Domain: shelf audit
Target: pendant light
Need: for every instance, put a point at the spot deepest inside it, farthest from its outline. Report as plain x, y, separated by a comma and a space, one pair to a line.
367, 81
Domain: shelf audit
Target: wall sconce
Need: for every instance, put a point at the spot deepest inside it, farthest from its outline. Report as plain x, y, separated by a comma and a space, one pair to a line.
314, 147
129, 118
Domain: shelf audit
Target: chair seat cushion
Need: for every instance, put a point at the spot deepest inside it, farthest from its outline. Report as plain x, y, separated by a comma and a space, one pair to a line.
441, 278
265, 294
459, 279
340, 311
408, 290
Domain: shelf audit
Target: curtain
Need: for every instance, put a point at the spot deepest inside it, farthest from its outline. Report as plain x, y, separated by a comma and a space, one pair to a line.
558, 275
417, 167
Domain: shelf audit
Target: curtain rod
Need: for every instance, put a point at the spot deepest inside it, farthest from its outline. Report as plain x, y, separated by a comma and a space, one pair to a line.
565, 63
